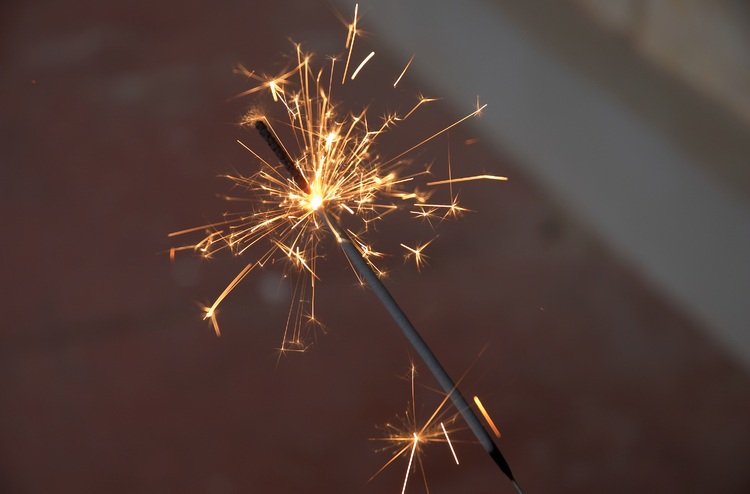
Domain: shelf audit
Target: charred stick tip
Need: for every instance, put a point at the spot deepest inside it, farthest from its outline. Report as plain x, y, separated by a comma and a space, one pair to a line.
273, 142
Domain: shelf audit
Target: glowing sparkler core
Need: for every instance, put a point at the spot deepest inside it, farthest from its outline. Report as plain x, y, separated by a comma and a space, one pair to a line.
315, 201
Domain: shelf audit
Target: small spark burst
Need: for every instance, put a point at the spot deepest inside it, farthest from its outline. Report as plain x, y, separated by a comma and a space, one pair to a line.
406, 437
487, 417
328, 165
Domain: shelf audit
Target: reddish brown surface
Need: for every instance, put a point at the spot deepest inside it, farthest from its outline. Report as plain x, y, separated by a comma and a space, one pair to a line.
114, 126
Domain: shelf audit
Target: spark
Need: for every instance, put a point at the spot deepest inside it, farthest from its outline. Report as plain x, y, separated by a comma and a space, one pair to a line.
351, 34
436, 134
448, 440
324, 166
487, 416
398, 79
407, 436
210, 314
326, 177
422, 101
411, 460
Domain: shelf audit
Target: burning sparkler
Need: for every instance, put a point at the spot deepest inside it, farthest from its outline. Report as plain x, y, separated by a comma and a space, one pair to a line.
334, 177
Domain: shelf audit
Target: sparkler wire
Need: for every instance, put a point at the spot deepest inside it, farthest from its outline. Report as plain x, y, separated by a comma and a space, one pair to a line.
412, 335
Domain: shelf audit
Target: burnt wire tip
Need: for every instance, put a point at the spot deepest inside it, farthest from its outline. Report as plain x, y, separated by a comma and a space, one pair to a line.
273, 142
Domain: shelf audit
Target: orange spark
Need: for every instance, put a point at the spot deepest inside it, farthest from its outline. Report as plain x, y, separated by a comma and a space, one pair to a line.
416, 252
448, 440
404, 71
486, 416
408, 437
335, 172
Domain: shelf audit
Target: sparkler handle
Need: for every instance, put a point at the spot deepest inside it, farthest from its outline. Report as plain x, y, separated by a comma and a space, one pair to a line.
416, 341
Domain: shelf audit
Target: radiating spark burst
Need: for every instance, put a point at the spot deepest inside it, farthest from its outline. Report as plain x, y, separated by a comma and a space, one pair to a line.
335, 169
406, 437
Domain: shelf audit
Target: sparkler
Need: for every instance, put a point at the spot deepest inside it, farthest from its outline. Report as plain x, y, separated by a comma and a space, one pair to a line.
335, 175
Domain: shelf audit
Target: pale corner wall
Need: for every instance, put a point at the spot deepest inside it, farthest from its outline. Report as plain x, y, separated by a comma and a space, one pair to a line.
703, 42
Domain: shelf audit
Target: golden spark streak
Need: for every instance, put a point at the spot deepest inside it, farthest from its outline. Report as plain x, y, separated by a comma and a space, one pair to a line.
190, 230
210, 313
367, 59
486, 416
274, 84
350, 42
322, 160
407, 436
404, 71
422, 101
468, 179
440, 132
450, 444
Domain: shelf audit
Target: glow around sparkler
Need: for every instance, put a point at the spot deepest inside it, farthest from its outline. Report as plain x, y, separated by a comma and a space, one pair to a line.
332, 167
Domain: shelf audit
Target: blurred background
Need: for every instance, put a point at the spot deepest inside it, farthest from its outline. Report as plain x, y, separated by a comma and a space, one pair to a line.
597, 302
